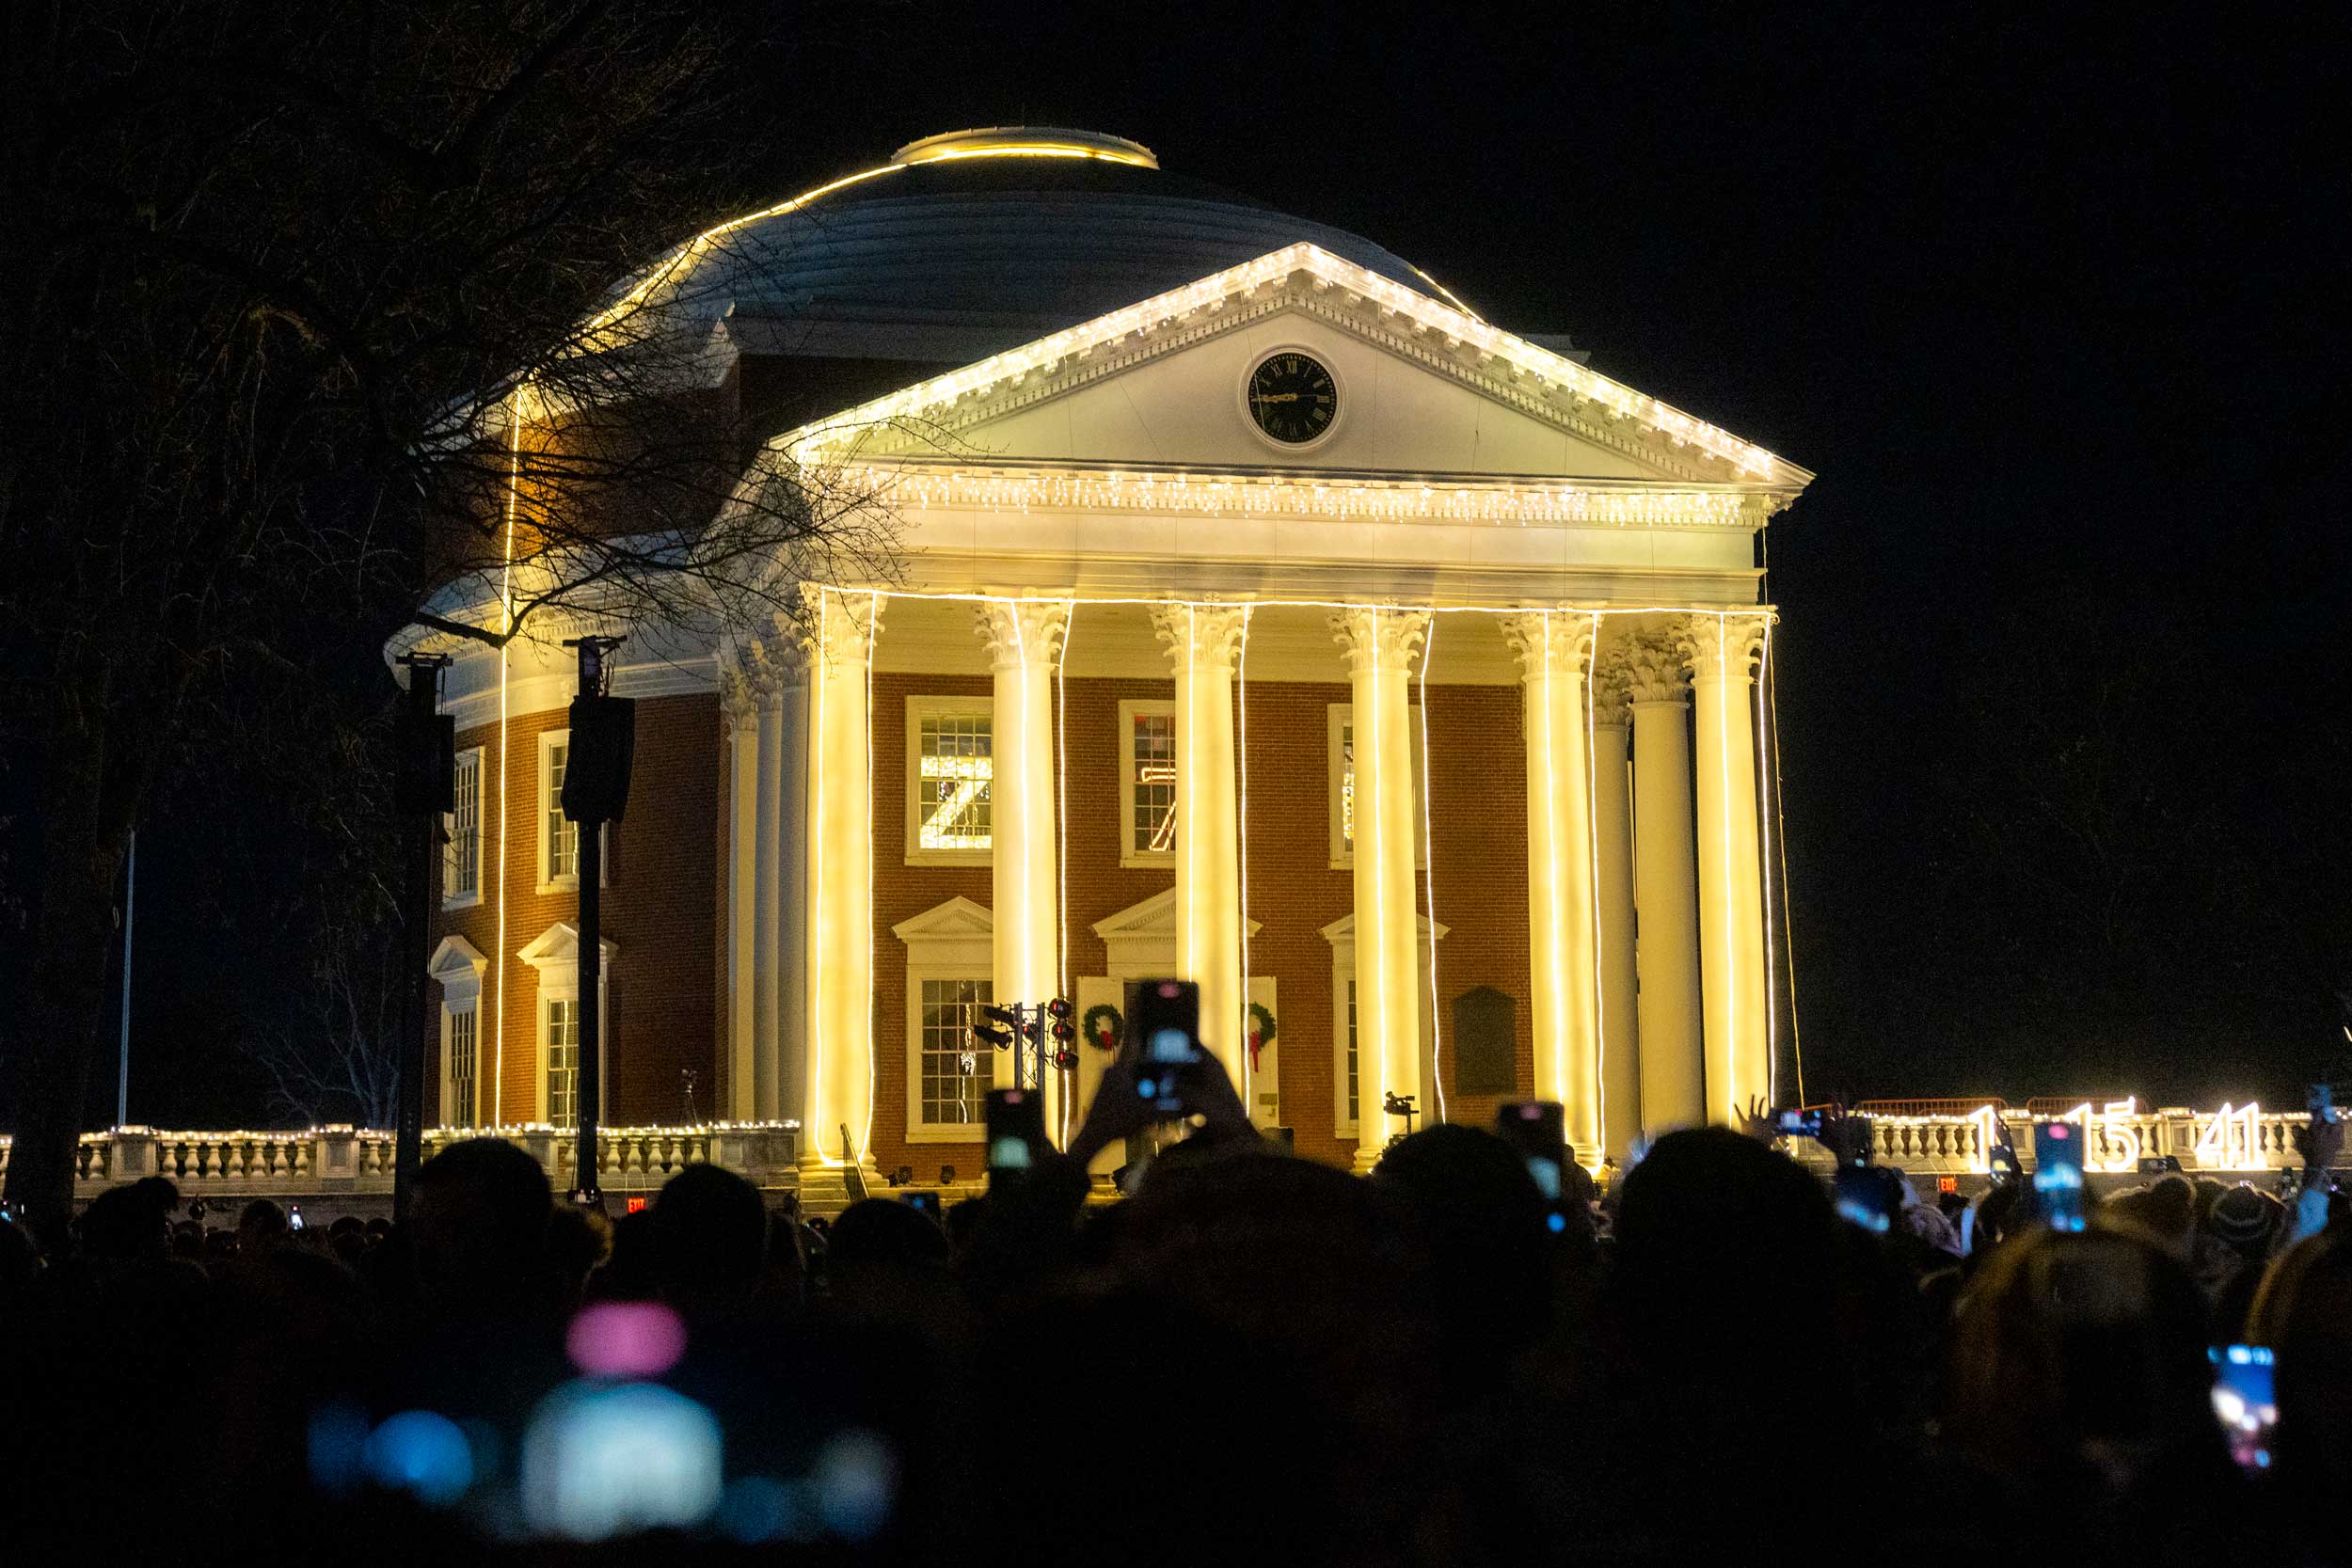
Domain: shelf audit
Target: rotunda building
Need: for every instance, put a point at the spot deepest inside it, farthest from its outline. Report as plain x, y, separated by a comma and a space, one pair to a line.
1257, 613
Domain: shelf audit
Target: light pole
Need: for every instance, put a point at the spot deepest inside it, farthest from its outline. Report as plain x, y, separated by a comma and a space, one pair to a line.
596, 791
424, 786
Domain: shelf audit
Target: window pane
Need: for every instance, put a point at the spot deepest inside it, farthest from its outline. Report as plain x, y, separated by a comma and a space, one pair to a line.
954, 1072
1153, 828
563, 1063
952, 788
1354, 1082
1347, 789
462, 1069
462, 859
563, 834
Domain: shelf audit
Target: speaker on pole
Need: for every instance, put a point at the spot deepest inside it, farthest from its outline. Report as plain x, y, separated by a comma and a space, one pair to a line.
603, 749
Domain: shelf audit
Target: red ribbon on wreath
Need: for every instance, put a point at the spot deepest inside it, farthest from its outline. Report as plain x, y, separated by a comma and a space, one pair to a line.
1261, 1031
1103, 1027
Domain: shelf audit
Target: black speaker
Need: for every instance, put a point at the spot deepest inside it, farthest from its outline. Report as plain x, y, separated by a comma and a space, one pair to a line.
424, 766
603, 749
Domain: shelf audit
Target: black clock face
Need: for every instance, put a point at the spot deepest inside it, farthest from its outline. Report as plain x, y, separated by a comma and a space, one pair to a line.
1292, 397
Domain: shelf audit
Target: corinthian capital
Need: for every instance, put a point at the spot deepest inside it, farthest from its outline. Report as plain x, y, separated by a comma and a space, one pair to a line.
1199, 636
738, 702
1722, 647
839, 627
1551, 644
1653, 669
1024, 632
1379, 638
1612, 688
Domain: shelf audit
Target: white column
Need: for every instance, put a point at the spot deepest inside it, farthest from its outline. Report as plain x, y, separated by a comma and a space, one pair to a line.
1612, 834
1721, 651
739, 711
1381, 644
767, 890
1202, 641
841, 626
1025, 642
1553, 648
786, 1048
1666, 952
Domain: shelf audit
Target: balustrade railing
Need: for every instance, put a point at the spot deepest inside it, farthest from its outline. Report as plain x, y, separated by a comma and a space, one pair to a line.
2240, 1139
325, 1161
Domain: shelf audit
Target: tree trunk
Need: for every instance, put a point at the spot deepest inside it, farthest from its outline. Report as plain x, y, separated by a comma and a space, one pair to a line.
82, 845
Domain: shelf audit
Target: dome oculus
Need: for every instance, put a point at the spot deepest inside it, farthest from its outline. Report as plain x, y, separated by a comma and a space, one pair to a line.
1293, 397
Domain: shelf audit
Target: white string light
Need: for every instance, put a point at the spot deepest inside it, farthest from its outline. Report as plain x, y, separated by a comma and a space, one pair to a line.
1061, 831
1764, 860
873, 1067
1240, 694
1796, 1034
817, 872
1592, 825
507, 632
1429, 843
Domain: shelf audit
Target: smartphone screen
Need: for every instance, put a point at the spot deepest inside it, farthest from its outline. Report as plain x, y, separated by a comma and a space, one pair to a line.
926, 1202
2320, 1101
1016, 1130
2057, 1176
1537, 1129
1166, 1029
2245, 1401
1865, 1196
1798, 1124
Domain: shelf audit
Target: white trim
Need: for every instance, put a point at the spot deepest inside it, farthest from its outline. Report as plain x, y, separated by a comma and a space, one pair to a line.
457, 967
1339, 393
954, 941
554, 955
918, 709
1338, 717
1130, 711
1340, 934
1562, 386
548, 804
468, 760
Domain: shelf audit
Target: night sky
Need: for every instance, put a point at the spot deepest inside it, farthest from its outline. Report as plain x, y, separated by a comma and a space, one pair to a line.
2063, 673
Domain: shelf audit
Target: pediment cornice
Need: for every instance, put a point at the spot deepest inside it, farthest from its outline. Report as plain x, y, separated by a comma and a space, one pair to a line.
936, 416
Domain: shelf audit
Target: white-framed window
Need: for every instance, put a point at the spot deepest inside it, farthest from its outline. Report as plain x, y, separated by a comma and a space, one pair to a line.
1147, 783
953, 1075
950, 770
1346, 1062
461, 858
949, 964
555, 954
559, 1045
1350, 1087
1340, 736
559, 837
457, 967
461, 1063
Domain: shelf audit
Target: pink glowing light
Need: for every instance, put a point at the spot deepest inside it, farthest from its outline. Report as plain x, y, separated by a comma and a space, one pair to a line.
625, 1338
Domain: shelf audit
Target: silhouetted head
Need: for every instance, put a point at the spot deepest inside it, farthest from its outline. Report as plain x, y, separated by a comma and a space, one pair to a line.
2304, 1313
479, 1228
1483, 1220
124, 1224
261, 1227
710, 1239
884, 1231
2076, 1353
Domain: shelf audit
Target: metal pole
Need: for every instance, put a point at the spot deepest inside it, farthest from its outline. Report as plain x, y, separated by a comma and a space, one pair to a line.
130, 925
424, 782
590, 1080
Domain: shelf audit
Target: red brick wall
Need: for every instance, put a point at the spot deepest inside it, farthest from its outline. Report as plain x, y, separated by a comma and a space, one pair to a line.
659, 905
1478, 809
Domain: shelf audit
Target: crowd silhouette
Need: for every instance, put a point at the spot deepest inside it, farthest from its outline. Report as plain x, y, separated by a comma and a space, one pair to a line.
1250, 1358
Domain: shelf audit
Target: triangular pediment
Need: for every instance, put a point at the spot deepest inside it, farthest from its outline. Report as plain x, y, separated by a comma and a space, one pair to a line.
1342, 932
558, 948
457, 962
956, 917
1153, 917
1423, 388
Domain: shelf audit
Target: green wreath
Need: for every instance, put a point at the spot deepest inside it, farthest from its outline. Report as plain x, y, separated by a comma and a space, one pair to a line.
1261, 1031
1103, 1027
